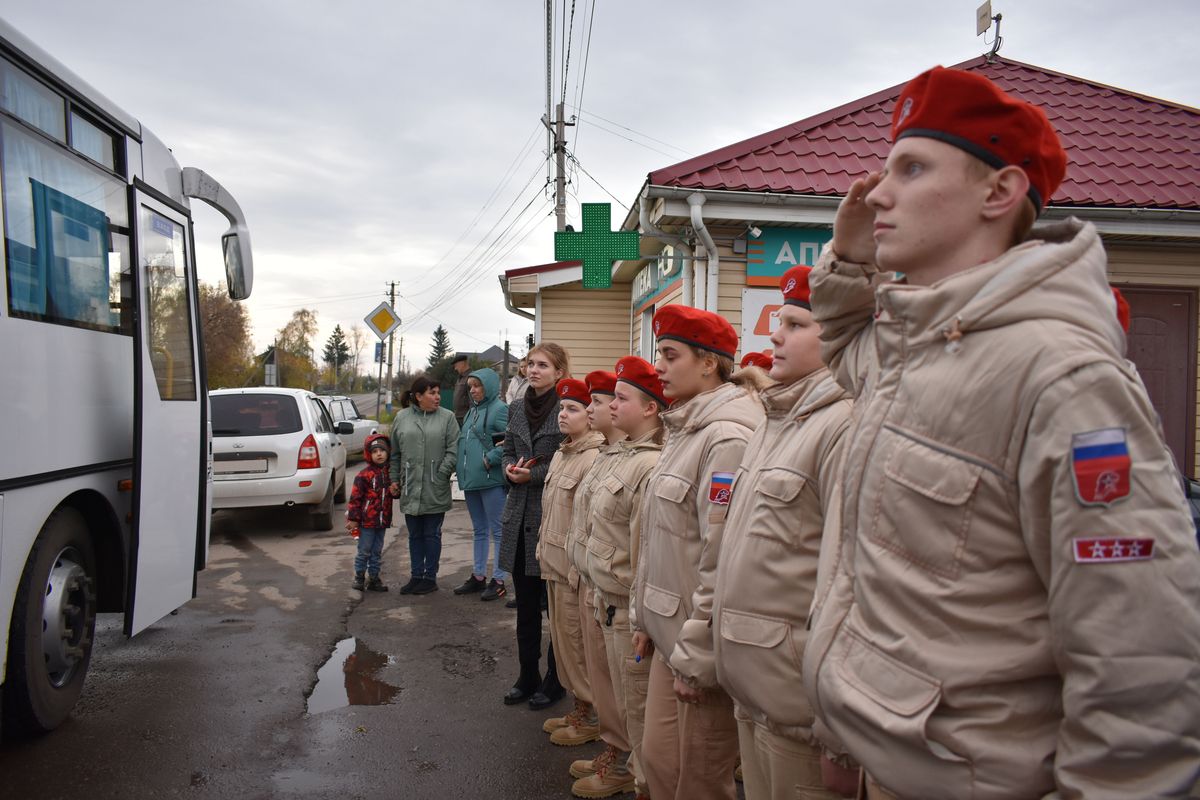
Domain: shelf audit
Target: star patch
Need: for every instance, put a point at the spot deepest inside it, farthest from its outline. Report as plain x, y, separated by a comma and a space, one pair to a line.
720, 489
1092, 551
1101, 464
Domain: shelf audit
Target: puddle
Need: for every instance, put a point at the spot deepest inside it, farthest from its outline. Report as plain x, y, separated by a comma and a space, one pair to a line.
348, 679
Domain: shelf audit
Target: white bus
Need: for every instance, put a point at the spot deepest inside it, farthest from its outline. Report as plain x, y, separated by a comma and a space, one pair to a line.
105, 464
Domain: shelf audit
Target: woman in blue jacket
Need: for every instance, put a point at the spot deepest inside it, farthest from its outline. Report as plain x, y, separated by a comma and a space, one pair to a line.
481, 477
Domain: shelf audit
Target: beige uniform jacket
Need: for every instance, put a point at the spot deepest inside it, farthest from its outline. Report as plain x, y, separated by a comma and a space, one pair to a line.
615, 520
767, 571
681, 527
580, 528
1002, 620
567, 469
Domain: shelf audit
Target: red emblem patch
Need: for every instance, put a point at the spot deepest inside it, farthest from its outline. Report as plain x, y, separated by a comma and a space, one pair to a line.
1101, 463
720, 490
1091, 551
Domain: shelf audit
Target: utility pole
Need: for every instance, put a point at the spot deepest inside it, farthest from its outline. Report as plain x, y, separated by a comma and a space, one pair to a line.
391, 341
557, 127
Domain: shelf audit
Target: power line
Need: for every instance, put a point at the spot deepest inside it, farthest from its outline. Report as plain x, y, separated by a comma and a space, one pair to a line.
582, 83
567, 67
572, 157
636, 133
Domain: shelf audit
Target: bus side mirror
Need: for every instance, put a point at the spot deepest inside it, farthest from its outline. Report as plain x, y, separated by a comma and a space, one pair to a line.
238, 278
239, 265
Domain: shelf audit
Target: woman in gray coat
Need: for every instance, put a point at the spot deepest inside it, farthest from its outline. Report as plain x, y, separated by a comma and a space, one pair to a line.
530, 442
424, 453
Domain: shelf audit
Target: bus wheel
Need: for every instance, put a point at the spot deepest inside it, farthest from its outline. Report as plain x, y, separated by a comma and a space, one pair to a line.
53, 622
322, 516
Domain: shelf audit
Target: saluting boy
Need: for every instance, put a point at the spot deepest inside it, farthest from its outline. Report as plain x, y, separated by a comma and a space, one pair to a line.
1015, 610
767, 571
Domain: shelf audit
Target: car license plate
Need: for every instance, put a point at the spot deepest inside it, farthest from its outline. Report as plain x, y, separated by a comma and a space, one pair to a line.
240, 467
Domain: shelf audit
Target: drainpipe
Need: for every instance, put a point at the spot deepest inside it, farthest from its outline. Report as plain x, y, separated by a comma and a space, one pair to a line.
713, 267
648, 229
508, 302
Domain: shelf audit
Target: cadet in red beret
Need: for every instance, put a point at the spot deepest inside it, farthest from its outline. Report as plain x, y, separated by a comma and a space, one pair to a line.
573, 389
690, 742
1007, 488
756, 359
601, 382
807, 416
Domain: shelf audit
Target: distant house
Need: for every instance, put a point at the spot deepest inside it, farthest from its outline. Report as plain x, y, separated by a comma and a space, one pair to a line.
718, 230
493, 357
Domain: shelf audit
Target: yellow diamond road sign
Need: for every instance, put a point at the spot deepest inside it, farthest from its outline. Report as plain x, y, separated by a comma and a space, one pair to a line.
383, 320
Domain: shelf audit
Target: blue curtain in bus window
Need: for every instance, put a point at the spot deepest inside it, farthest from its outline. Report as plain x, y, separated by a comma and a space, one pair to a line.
72, 245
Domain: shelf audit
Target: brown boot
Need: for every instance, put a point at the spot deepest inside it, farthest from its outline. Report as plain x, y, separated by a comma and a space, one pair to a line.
584, 767
612, 777
581, 713
582, 730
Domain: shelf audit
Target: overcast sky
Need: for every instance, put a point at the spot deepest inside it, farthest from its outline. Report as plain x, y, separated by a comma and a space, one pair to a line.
378, 141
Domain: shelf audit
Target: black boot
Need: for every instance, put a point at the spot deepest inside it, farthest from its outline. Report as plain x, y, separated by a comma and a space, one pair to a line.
523, 689
358, 581
549, 693
376, 585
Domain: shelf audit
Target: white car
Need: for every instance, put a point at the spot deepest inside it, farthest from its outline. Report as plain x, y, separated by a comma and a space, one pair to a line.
343, 409
277, 447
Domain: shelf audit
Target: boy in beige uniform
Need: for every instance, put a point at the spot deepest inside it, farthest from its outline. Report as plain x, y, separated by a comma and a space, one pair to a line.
612, 551
1013, 608
573, 459
767, 571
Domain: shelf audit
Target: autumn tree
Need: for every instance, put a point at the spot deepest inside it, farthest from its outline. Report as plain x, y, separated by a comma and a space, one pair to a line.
225, 324
294, 352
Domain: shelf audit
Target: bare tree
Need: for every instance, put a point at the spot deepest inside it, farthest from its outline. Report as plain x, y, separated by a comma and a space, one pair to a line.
357, 341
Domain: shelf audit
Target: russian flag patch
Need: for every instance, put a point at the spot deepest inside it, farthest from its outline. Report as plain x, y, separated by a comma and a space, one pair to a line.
1101, 463
720, 489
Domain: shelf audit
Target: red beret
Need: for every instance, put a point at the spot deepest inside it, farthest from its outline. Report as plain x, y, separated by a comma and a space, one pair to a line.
601, 382
1122, 309
794, 285
640, 373
572, 389
757, 360
697, 327
968, 111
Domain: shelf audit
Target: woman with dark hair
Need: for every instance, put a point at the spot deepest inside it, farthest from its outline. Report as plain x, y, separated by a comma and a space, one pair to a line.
530, 442
424, 452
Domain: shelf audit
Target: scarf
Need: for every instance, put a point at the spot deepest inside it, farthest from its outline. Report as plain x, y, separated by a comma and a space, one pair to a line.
538, 408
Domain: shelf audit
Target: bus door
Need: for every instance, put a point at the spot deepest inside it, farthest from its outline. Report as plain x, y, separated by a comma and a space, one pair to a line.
171, 480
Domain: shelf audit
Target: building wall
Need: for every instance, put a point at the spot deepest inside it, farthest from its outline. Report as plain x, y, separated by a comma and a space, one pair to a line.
1157, 266
592, 324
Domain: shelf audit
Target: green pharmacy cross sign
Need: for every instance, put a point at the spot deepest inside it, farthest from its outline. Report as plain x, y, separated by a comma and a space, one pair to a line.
597, 246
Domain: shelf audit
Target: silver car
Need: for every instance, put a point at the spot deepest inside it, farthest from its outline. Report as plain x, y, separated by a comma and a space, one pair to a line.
277, 447
343, 409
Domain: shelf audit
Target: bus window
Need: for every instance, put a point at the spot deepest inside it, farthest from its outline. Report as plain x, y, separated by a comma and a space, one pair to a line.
28, 100
167, 305
66, 236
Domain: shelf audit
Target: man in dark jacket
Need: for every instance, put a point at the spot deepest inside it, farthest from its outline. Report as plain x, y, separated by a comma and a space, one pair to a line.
462, 396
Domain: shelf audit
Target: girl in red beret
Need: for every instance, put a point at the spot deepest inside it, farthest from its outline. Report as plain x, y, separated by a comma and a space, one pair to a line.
573, 459
690, 745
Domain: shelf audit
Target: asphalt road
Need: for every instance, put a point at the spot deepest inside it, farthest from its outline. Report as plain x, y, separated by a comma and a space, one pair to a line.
213, 702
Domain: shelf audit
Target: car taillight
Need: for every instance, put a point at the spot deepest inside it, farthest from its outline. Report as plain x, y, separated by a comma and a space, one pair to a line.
309, 457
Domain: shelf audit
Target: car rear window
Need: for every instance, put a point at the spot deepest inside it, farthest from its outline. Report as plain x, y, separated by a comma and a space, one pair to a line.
254, 414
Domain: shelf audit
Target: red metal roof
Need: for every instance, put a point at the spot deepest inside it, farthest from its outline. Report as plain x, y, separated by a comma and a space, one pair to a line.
1123, 149
519, 271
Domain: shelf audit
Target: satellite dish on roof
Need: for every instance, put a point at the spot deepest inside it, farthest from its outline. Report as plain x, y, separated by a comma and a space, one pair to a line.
983, 18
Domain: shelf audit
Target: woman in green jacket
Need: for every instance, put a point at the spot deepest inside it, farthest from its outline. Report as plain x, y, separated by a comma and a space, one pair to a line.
481, 477
424, 439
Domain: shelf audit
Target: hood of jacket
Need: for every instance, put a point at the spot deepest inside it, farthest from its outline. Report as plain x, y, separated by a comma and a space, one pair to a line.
726, 403
1060, 274
491, 384
807, 395
589, 441
376, 437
